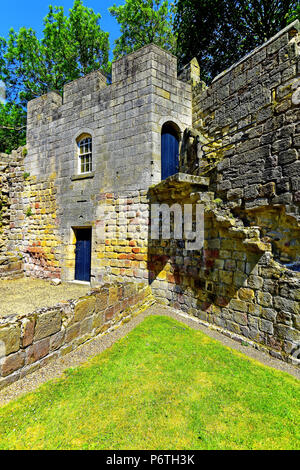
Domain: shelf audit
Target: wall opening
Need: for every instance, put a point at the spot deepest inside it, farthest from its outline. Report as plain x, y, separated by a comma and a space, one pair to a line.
83, 254
169, 149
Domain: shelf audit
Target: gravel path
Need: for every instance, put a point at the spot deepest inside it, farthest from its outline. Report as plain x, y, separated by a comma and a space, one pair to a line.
99, 344
25, 295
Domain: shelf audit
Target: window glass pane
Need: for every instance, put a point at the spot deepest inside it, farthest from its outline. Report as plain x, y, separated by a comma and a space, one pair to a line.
89, 166
85, 154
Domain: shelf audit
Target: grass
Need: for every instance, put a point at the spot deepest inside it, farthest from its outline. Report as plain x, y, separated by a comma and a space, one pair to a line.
164, 386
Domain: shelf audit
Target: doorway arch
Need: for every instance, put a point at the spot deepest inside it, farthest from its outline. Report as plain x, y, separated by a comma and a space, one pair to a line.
170, 133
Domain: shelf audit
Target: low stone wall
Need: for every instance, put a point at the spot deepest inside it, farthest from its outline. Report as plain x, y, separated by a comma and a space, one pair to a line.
11, 267
30, 341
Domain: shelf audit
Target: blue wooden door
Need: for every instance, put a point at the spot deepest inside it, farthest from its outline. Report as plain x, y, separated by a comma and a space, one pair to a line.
83, 255
169, 153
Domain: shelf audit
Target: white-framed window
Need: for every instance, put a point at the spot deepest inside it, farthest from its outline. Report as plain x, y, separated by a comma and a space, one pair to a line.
85, 160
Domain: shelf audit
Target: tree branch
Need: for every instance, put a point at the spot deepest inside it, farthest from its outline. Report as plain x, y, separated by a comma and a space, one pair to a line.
13, 128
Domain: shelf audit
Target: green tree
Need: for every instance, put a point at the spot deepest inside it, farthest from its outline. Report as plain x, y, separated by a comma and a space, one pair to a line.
294, 14
71, 46
220, 32
12, 128
143, 22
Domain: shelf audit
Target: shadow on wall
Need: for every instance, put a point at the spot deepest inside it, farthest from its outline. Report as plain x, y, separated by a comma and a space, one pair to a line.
203, 282
279, 228
232, 281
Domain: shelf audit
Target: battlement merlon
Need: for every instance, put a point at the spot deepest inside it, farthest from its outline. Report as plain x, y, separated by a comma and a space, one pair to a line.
42, 107
84, 86
136, 68
190, 73
133, 67
92, 82
137, 64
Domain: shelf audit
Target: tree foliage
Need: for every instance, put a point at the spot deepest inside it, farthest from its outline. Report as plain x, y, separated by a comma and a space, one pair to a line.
294, 13
220, 32
71, 46
142, 22
12, 127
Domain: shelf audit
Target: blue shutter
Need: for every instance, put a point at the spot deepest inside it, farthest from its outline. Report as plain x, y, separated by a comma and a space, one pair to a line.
169, 153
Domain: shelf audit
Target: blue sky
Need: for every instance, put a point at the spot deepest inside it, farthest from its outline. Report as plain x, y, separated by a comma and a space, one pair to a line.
30, 13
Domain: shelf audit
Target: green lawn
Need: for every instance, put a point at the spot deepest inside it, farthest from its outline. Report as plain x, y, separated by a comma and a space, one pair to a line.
164, 386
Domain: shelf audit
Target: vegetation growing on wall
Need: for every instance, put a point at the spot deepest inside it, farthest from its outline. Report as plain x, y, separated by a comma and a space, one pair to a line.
13, 126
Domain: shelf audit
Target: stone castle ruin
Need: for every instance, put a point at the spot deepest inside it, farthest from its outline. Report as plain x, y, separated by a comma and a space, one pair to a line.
76, 202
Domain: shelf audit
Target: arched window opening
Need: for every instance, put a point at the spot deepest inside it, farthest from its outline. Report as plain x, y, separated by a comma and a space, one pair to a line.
169, 150
84, 144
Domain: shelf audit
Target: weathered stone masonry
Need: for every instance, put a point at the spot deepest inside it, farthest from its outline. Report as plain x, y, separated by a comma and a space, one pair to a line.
124, 120
250, 118
11, 181
239, 158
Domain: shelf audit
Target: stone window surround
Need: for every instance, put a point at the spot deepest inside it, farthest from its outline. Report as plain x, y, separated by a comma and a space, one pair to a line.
178, 125
85, 158
77, 136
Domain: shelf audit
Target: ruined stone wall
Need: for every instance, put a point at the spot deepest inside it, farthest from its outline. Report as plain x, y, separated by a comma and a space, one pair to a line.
4, 200
248, 185
232, 283
30, 341
119, 238
38, 225
249, 118
121, 249
28, 235
11, 180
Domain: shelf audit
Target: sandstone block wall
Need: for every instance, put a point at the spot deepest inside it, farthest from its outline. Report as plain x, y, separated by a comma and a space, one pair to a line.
122, 250
249, 117
11, 180
125, 121
232, 282
28, 342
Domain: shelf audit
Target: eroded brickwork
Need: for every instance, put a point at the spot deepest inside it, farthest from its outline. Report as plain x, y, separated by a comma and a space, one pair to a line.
249, 119
247, 123
232, 282
11, 181
124, 120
